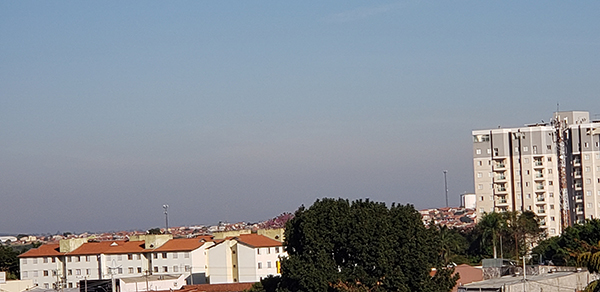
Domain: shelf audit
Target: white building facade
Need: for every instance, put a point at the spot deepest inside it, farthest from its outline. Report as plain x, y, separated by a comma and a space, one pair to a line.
244, 258
73, 260
552, 170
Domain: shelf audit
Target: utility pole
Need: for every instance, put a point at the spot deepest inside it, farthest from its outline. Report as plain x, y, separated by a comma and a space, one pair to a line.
166, 207
446, 187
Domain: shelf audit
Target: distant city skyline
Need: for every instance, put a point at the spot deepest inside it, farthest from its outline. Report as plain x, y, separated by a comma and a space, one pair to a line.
232, 111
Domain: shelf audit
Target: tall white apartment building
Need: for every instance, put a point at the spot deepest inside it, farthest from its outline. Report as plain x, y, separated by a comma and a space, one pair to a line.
551, 169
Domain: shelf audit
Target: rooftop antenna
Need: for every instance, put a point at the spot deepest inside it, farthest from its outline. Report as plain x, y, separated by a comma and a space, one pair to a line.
446, 187
166, 207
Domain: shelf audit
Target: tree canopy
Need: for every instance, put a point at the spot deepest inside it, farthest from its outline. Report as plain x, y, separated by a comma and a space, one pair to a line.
338, 245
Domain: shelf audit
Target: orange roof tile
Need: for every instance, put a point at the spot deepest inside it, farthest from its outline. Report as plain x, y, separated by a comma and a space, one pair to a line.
256, 240
181, 244
46, 250
110, 247
232, 287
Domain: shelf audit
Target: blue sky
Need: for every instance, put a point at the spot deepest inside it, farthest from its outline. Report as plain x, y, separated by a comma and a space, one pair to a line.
242, 110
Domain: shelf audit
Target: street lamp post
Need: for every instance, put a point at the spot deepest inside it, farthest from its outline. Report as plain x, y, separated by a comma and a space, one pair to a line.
446, 187
166, 208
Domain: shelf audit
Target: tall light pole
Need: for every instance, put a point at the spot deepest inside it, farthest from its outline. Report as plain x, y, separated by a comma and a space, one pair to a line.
446, 187
166, 207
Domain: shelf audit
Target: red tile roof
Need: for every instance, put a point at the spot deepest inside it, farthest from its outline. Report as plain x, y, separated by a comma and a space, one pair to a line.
181, 244
110, 247
46, 250
255, 240
234, 287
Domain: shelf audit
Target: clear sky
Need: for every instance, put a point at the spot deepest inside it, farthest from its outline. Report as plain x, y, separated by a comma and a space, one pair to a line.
242, 110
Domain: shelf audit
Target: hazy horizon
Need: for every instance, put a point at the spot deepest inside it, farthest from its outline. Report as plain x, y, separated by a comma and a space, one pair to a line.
231, 111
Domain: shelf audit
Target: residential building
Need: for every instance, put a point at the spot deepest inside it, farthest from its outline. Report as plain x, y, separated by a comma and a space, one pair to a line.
72, 260
552, 169
244, 258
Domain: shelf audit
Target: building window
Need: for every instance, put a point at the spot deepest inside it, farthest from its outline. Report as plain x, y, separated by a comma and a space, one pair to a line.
526, 183
551, 207
35, 274
552, 231
549, 148
53, 259
480, 163
586, 157
589, 205
119, 258
175, 269
552, 219
495, 151
25, 274
46, 273
478, 151
550, 183
525, 148
78, 272
88, 271
164, 255
156, 269
35, 260
46, 285
479, 174
130, 256
526, 160
268, 265
87, 258
45, 260
188, 268
259, 265
71, 285
258, 251
480, 187
175, 255
165, 269
139, 270
588, 181
551, 195
277, 250
120, 270
155, 255
586, 145
70, 272
130, 270
588, 193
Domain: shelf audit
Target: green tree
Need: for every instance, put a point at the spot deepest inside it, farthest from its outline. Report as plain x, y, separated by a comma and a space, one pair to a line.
337, 245
575, 240
490, 225
9, 262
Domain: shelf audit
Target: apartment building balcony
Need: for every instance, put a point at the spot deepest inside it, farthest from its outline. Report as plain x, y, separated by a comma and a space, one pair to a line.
539, 187
502, 202
579, 198
577, 174
578, 185
538, 176
538, 164
577, 161
501, 190
500, 178
541, 211
499, 166
540, 200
